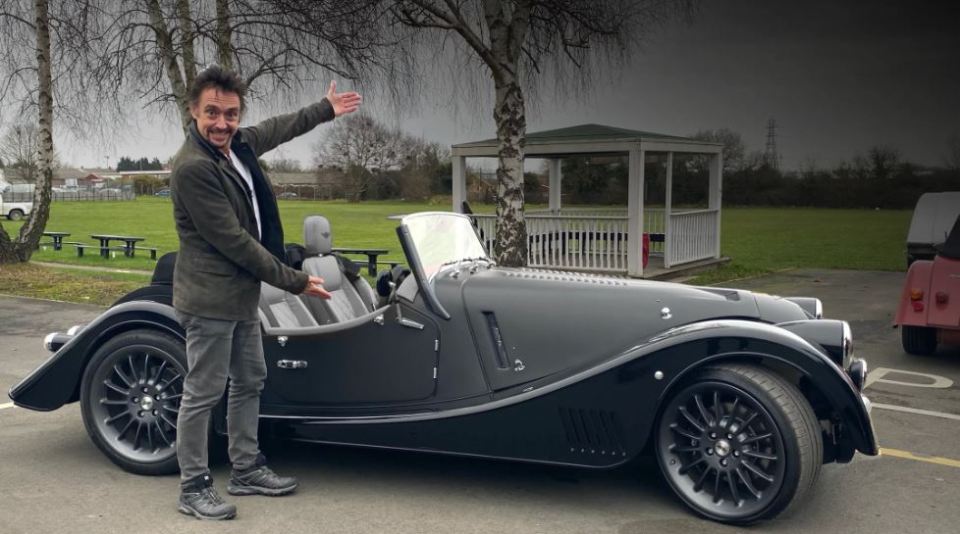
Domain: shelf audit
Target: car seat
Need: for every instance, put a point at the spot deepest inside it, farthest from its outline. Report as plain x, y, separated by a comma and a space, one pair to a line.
347, 301
281, 309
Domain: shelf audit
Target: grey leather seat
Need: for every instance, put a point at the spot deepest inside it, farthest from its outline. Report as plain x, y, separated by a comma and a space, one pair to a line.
347, 300
283, 310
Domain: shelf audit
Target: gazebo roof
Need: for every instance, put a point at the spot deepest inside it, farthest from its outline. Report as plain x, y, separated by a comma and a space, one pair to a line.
590, 133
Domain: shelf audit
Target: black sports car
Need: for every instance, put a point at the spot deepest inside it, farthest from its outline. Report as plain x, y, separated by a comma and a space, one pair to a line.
741, 396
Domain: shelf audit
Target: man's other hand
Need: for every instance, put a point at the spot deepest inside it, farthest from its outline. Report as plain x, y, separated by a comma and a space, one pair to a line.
343, 103
315, 288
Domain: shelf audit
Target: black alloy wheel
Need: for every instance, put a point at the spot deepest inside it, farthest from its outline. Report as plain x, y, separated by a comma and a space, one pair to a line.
130, 398
739, 444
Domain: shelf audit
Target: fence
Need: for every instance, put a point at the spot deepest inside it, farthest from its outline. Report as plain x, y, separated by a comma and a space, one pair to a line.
69, 195
93, 195
305, 192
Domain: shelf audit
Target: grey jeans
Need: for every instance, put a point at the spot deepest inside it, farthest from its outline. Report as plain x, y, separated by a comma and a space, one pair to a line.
217, 349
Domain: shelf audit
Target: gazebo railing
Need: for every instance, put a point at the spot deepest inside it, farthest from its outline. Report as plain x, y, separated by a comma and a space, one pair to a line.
653, 221
612, 211
599, 242
588, 242
565, 241
693, 236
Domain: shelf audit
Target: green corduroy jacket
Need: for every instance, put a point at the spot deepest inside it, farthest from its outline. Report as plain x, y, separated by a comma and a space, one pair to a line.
221, 261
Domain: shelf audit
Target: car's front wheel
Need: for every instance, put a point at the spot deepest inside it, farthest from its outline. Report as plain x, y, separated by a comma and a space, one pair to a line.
918, 340
15, 215
738, 443
130, 398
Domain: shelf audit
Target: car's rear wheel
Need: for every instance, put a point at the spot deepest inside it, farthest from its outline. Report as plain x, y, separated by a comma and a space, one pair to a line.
130, 398
919, 340
15, 215
739, 443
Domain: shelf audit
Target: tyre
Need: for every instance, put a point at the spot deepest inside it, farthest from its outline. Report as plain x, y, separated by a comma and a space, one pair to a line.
15, 215
738, 443
918, 340
130, 397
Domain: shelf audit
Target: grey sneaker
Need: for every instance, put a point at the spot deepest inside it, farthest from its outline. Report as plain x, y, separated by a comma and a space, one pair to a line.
199, 499
260, 480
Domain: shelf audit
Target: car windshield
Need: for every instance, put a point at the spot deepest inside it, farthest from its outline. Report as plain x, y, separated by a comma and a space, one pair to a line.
442, 238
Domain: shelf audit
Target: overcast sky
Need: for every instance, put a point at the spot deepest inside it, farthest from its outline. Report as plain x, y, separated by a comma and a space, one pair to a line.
838, 76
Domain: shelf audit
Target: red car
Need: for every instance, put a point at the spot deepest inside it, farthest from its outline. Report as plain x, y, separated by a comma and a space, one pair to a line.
929, 311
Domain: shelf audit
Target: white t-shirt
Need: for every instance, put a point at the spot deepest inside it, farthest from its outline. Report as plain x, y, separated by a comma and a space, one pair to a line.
245, 174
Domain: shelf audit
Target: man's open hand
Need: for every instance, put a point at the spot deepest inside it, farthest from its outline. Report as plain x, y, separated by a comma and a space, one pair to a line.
315, 288
343, 103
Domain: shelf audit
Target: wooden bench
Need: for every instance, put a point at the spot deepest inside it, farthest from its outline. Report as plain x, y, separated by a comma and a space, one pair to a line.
56, 238
153, 252
83, 246
54, 245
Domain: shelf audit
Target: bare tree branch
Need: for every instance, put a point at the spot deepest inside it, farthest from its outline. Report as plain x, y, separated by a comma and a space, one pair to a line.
526, 44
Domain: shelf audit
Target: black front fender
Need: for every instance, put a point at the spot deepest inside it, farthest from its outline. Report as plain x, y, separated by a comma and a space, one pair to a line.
57, 381
685, 349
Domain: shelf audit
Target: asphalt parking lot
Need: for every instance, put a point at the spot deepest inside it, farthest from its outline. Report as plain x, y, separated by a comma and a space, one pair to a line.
53, 479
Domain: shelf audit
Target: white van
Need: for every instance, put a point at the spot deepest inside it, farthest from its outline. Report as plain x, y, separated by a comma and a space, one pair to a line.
19, 203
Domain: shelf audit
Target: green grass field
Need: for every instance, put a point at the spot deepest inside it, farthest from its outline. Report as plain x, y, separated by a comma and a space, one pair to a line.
354, 225
758, 240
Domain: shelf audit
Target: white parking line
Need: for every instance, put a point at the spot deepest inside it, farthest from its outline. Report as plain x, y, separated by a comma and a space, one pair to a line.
931, 413
7, 405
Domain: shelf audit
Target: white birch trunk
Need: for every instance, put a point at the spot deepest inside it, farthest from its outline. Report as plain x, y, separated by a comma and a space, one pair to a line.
224, 35
31, 231
508, 25
169, 58
511, 248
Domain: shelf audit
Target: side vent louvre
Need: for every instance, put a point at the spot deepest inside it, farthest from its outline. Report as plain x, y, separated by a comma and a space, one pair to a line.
591, 431
499, 347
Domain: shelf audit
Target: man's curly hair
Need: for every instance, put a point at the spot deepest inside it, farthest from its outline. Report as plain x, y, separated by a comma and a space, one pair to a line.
220, 78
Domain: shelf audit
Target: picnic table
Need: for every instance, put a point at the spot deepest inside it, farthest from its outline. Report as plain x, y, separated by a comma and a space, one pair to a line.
57, 238
129, 247
370, 253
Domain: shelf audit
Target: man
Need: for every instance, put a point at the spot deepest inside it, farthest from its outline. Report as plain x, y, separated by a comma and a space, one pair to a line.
230, 240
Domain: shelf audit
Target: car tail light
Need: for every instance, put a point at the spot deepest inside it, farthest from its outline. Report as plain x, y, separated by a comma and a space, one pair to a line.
942, 297
917, 306
916, 294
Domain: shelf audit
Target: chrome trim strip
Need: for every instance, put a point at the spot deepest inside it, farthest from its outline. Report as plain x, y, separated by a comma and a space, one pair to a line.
663, 340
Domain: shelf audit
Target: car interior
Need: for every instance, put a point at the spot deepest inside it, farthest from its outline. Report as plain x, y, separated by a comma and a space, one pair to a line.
353, 300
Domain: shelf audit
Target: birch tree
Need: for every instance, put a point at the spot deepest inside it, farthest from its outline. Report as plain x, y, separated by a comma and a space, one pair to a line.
523, 44
33, 27
153, 49
108, 58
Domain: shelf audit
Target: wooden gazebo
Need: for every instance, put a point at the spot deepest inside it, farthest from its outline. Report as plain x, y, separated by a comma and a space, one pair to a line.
609, 240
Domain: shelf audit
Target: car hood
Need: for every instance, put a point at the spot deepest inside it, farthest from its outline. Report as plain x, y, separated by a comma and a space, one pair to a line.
553, 320
621, 299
